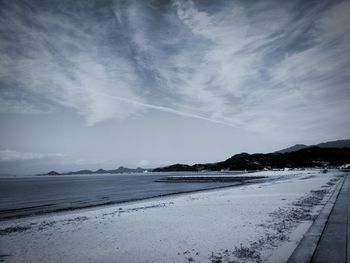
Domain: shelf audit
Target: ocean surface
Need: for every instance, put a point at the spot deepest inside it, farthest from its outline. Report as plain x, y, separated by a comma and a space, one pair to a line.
24, 196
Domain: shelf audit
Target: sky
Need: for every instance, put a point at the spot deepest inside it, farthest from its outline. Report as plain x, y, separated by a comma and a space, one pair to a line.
100, 84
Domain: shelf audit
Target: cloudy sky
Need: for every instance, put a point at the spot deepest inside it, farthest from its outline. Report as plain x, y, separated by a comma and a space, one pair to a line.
90, 84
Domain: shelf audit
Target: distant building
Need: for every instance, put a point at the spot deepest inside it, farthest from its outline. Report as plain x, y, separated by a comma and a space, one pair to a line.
345, 166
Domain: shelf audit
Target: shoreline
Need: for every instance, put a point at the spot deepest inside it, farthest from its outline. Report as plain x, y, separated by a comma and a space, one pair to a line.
264, 177
231, 180
245, 223
111, 203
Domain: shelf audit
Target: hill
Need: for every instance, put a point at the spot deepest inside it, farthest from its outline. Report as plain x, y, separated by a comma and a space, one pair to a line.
119, 170
294, 148
330, 144
308, 157
335, 144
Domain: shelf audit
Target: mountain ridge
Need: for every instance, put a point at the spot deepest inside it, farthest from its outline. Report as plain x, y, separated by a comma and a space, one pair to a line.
329, 144
333, 153
304, 158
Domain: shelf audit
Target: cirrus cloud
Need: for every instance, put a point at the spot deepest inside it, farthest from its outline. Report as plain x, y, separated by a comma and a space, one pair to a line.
262, 66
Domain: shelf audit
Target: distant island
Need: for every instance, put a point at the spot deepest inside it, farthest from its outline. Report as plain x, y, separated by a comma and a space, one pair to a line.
327, 154
119, 170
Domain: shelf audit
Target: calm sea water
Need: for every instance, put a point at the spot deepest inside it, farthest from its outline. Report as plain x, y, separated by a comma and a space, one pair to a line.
23, 196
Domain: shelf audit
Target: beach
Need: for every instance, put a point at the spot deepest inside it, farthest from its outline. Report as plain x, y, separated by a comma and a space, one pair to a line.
260, 222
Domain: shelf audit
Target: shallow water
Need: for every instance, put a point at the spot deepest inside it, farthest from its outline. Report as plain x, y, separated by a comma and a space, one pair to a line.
23, 196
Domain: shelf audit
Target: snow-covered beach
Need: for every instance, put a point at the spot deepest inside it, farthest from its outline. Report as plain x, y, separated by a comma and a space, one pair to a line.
260, 222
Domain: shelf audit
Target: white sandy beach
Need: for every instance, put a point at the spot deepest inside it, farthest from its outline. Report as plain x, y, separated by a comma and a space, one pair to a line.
252, 223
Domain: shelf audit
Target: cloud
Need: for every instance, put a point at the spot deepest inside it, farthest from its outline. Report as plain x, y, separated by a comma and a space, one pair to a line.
19, 162
167, 109
56, 58
21, 107
11, 155
223, 65
143, 163
265, 67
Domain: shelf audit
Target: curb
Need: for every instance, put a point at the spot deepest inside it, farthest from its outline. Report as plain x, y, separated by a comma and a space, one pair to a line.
307, 246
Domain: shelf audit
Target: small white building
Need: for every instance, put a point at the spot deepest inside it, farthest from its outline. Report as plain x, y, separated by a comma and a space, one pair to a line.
345, 166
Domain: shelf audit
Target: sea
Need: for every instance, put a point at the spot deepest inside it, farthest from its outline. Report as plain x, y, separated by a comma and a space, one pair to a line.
32, 195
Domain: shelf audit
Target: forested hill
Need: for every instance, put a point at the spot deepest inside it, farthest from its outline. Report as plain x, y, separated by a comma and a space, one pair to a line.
308, 157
